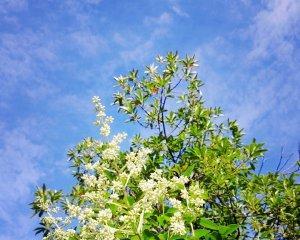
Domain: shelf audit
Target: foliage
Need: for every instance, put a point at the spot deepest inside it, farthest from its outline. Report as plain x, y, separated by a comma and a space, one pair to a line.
192, 178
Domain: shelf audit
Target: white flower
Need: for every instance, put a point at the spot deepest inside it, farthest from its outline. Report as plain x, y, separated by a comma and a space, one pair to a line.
71, 231
111, 153
89, 180
114, 196
156, 175
100, 114
120, 78
49, 220
105, 130
196, 190
123, 218
102, 120
175, 203
107, 233
73, 210
147, 186
177, 224
198, 202
184, 194
104, 215
117, 139
151, 70
96, 99
89, 166
117, 185
179, 182
137, 160
160, 59
85, 213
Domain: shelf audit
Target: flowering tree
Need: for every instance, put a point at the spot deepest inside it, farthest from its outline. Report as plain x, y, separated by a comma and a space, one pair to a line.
192, 178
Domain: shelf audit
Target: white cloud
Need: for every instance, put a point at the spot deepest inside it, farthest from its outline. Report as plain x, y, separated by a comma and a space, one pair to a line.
254, 93
88, 43
119, 39
139, 50
175, 6
274, 30
19, 172
20, 57
72, 103
21, 228
163, 19
252, 90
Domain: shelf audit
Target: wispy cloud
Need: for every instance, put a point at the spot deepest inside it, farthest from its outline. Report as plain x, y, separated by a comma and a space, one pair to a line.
158, 27
161, 20
274, 30
53, 61
88, 43
19, 173
176, 8
253, 92
21, 57
20, 228
258, 84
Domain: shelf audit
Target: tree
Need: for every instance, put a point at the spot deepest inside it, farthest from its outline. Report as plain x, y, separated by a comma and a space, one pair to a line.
192, 178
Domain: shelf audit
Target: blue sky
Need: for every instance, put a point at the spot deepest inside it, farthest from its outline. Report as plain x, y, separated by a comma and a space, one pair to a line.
55, 55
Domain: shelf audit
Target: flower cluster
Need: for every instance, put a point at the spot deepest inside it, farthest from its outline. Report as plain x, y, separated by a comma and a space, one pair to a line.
136, 161
177, 224
116, 198
102, 120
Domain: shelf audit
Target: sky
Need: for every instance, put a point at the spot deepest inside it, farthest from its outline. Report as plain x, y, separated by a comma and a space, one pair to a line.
55, 55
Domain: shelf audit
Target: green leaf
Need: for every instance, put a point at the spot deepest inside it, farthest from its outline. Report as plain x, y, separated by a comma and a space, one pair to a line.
170, 211
227, 230
177, 237
201, 232
149, 235
129, 200
135, 237
163, 236
213, 236
188, 218
204, 222
189, 170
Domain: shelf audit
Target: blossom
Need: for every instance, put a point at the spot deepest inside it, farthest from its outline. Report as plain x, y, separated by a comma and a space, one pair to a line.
147, 186
175, 203
177, 224
151, 70
89, 180
96, 99
102, 120
184, 194
137, 160
85, 214
73, 210
160, 59
107, 233
114, 196
105, 130
179, 182
106, 179
104, 215
117, 185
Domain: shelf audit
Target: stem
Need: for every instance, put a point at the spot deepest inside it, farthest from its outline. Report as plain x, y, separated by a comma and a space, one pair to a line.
162, 107
193, 233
